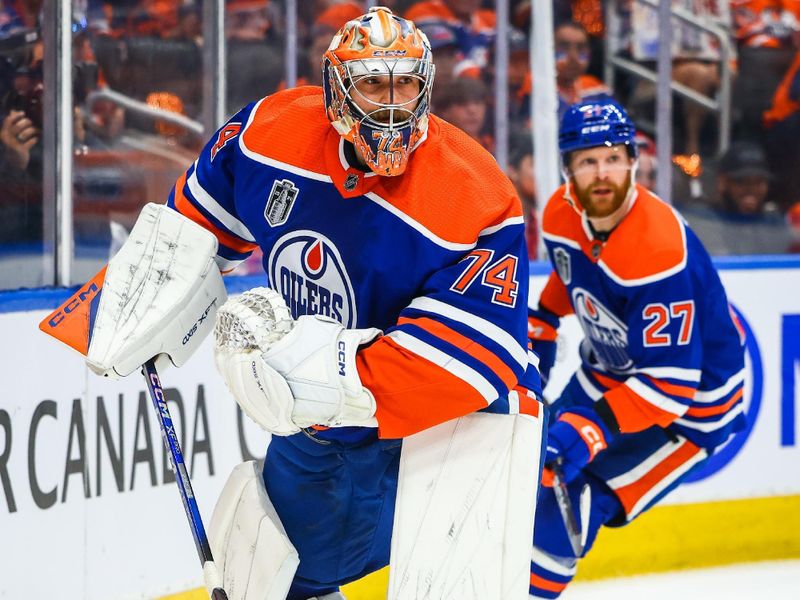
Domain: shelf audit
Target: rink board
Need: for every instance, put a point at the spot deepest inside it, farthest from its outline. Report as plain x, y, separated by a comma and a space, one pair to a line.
83, 478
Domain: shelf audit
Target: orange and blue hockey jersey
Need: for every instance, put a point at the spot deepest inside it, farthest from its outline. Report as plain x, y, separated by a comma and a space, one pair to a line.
662, 346
434, 257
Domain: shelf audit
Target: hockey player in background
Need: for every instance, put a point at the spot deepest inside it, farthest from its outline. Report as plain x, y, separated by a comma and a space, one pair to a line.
372, 212
662, 361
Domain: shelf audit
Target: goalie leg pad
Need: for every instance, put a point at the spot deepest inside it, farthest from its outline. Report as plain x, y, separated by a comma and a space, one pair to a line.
463, 519
252, 551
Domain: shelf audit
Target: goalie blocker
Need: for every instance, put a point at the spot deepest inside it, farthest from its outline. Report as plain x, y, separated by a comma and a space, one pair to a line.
157, 297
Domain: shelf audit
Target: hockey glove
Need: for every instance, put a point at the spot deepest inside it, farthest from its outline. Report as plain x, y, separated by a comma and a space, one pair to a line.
288, 374
542, 333
573, 441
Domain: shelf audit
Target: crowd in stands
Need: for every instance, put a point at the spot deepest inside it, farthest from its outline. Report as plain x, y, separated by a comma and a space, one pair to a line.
742, 199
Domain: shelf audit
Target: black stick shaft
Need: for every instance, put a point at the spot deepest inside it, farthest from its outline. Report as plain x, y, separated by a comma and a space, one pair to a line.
566, 510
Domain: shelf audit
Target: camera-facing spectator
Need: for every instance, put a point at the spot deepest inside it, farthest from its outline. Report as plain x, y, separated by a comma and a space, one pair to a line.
247, 20
743, 220
573, 55
463, 102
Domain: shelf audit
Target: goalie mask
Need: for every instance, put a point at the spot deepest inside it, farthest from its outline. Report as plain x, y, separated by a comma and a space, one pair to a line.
379, 50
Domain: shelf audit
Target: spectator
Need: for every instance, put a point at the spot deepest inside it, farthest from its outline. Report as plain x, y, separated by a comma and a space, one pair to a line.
646, 169
766, 33
782, 135
743, 221
448, 57
572, 61
16, 17
21, 215
255, 57
247, 20
463, 102
474, 27
695, 56
325, 25
520, 172
793, 219
574, 84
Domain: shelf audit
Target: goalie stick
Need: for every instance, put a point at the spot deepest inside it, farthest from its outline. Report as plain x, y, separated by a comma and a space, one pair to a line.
212, 578
152, 304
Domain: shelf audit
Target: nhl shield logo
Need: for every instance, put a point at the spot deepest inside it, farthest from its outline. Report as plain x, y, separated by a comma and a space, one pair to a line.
280, 202
563, 265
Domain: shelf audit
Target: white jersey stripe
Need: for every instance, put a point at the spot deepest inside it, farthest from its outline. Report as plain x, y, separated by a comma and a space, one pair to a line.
561, 240
587, 386
480, 325
692, 375
447, 362
665, 483
706, 426
721, 391
656, 398
508, 222
644, 467
226, 265
208, 202
545, 561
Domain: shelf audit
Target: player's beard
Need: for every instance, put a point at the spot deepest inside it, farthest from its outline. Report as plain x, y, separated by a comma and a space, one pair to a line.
603, 206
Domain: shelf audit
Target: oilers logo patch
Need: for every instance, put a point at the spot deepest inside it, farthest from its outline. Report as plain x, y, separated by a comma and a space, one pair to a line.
604, 331
563, 265
305, 267
280, 202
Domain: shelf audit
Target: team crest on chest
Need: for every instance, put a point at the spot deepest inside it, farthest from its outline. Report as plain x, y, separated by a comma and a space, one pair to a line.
607, 334
308, 271
280, 202
563, 265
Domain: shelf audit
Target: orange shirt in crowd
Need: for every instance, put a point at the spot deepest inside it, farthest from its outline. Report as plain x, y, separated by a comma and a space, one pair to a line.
585, 86
483, 21
783, 106
754, 21
589, 13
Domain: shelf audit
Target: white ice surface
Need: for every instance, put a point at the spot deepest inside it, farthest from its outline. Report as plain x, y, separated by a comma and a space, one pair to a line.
777, 580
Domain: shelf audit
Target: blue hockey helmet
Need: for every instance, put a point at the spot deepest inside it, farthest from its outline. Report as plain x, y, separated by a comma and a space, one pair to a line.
596, 122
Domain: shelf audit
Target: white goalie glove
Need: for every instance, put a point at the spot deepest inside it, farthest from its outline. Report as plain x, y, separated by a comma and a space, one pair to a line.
287, 374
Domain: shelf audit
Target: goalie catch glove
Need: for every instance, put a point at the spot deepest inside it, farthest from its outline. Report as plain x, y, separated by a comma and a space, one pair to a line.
287, 374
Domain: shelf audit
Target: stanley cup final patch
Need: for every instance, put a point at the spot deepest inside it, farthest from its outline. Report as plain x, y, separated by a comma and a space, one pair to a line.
563, 265
280, 202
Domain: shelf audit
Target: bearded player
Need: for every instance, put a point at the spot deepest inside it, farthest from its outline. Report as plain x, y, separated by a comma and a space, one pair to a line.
660, 384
